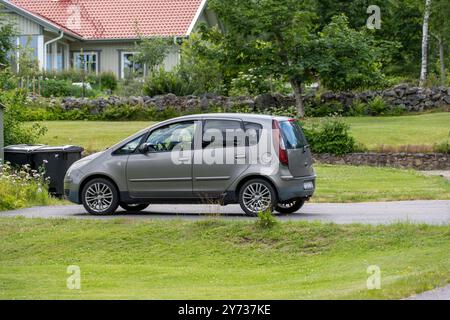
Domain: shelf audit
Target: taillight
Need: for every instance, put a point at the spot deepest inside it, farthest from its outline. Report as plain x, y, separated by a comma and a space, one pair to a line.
279, 143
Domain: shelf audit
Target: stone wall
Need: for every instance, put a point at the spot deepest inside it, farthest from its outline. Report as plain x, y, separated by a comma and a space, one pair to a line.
417, 161
403, 97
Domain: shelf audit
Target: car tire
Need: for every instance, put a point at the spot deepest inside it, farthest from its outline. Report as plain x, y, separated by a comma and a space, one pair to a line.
290, 206
128, 207
100, 197
257, 195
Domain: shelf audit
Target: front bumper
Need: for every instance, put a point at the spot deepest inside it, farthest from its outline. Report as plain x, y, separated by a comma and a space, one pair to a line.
71, 192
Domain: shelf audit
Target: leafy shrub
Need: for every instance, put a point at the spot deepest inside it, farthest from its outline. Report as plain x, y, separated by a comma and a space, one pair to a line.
266, 220
330, 136
22, 187
55, 88
108, 81
7, 80
130, 87
163, 82
15, 132
325, 109
358, 108
63, 88
443, 147
378, 107
101, 81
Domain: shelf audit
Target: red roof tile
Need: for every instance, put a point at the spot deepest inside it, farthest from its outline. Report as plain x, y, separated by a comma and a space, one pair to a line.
117, 19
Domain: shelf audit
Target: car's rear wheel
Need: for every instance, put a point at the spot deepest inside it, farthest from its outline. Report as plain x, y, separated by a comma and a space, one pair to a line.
134, 207
100, 196
257, 195
290, 206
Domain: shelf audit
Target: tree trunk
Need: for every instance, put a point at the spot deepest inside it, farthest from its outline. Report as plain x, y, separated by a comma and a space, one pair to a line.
442, 59
425, 37
297, 87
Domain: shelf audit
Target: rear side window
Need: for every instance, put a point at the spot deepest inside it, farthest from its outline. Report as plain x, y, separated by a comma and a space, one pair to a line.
227, 129
292, 135
253, 131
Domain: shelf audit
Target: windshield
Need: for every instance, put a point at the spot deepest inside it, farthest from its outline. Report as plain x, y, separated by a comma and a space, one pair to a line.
292, 135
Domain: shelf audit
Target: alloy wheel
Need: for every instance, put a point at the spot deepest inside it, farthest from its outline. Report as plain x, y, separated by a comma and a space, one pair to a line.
257, 197
99, 197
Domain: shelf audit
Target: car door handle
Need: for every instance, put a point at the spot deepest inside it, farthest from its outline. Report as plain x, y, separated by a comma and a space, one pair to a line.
183, 159
240, 156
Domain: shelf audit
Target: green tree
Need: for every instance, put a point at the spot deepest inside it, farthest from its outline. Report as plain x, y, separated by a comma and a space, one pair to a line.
440, 31
284, 38
201, 61
6, 34
151, 52
348, 59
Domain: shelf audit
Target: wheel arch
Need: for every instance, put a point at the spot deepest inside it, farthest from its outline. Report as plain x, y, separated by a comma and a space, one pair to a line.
251, 177
93, 177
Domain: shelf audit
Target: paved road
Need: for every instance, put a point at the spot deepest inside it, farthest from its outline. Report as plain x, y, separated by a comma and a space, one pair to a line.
429, 212
436, 294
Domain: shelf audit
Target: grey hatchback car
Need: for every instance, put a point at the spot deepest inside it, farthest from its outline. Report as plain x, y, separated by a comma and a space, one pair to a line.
261, 162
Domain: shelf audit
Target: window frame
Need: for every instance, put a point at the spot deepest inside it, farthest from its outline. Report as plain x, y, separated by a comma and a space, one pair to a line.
219, 119
194, 122
87, 52
122, 63
115, 152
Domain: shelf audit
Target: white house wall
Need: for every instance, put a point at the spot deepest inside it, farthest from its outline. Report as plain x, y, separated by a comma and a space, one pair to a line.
23, 25
110, 54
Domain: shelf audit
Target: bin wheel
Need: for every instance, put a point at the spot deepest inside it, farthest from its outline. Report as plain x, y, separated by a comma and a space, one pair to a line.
134, 207
100, 196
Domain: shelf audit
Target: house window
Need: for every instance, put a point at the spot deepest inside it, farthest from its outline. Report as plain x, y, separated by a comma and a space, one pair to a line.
130, 68
87, 61
30, 44
60, 57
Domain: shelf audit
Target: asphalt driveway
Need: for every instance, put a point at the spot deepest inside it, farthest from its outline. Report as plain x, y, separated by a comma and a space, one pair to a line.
428, 212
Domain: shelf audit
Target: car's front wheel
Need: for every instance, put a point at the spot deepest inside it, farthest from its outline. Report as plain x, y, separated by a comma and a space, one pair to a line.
134, 207
100, 196
290, 206
257, 196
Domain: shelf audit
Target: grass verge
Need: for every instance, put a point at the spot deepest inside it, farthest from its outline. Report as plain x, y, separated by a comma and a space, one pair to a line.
215, 259
362, 184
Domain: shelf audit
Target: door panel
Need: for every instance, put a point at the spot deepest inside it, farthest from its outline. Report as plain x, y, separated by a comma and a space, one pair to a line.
218, 162
163, 173
153, 175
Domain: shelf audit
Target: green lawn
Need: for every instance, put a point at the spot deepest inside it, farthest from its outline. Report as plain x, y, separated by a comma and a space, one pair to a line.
418, 130
359, 184
421, 131
92, 135
215, 259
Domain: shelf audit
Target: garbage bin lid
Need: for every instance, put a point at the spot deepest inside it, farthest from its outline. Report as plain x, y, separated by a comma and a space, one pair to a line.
24, 148
67, 149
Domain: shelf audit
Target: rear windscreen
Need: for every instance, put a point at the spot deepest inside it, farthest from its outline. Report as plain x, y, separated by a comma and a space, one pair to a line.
292, 135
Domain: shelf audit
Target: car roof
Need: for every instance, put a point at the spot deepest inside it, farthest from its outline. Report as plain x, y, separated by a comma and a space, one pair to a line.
243, 116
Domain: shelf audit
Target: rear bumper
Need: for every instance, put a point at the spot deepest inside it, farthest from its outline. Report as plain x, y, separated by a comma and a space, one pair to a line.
295, 187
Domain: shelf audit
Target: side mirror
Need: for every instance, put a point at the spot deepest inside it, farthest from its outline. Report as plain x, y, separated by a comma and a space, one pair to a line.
146, 148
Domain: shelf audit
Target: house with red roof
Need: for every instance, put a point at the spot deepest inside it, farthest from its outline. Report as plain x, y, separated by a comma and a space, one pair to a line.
100, 35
